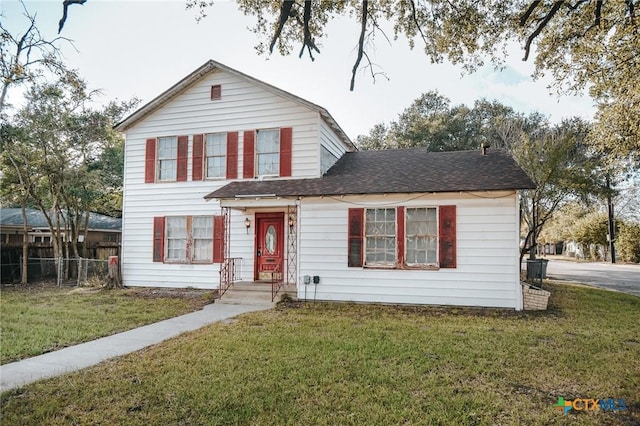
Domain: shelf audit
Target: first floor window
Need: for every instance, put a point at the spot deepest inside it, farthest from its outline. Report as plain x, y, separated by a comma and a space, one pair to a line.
216, 154
402, 237
188, 239
202, 238
268, 152
421, 236
176, 239
380, 237
167, 158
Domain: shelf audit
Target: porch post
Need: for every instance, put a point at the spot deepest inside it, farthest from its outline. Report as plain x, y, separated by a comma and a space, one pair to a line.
292, 244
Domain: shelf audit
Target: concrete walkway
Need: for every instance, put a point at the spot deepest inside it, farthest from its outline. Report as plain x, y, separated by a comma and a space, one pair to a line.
87, 354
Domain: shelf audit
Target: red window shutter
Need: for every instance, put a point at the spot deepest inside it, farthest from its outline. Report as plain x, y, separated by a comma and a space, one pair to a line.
400, 232
197, 157
286, 134
183, 147
447, 236
355, 231
248, 156
158, 239
150, 161
218, 239
232, 155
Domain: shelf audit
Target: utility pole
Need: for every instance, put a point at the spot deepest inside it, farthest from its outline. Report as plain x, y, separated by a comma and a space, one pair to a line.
612, 230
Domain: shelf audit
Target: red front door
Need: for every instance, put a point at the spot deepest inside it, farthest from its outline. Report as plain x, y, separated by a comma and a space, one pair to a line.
269, 245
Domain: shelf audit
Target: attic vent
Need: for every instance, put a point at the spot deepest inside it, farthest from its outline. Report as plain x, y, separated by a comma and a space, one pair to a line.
216, 92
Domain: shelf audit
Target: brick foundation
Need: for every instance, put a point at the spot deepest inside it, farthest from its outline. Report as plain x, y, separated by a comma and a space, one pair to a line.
535, 299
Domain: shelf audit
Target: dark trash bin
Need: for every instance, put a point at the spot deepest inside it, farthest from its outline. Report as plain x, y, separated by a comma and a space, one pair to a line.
537, 268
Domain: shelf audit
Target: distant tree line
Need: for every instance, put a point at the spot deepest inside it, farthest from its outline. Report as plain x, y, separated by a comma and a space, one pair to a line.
563, 159
58, 151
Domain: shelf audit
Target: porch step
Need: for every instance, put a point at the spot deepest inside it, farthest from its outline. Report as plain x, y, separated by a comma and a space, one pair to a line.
254, 293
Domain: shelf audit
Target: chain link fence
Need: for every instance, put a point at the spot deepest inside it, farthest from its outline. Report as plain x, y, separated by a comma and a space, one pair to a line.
68, 272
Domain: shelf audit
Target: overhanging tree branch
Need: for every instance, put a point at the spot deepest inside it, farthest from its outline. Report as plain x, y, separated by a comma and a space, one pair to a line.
538, 30
65, 7
525, 16
363, 30
414, 17
308, 40
285, 11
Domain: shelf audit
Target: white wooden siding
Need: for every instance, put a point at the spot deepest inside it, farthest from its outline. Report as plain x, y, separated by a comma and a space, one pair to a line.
486, 255
330, 141
243, 106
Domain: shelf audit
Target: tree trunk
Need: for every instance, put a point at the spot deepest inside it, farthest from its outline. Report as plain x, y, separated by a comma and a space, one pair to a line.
85, 229
24, 279
612, 228
114, 273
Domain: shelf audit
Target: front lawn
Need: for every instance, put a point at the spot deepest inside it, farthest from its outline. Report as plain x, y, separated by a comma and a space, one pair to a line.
361, 364
43, 318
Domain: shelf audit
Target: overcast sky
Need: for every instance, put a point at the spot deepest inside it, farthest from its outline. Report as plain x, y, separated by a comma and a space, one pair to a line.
141, 48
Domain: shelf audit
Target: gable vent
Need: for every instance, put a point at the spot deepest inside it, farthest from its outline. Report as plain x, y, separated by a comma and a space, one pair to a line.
216, 92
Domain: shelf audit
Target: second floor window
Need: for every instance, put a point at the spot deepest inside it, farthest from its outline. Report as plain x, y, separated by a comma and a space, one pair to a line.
268, 152
216, 155
167, 158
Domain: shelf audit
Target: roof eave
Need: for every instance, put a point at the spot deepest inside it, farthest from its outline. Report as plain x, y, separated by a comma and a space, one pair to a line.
207, 67
301, 194
164, 97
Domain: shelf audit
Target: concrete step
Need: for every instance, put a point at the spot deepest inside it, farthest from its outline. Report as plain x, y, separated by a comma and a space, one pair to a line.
254, 293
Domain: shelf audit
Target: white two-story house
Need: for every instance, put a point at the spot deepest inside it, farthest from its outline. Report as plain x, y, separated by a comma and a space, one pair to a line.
228, 178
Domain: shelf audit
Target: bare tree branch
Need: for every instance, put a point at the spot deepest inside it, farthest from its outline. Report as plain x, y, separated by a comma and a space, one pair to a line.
596, 20
285, 10
18, 65
363, 30
527, 14
598, 13
543, 23
308, 40
415, 21
65, 6
631, 8
578, 4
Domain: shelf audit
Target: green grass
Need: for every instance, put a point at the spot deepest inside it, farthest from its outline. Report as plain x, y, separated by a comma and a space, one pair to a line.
40, 319
362, 364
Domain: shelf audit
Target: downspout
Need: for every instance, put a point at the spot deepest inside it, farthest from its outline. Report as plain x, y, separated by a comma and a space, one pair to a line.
519, 299
298, 246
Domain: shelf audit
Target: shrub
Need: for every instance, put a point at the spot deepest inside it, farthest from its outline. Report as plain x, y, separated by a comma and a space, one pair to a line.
628, 242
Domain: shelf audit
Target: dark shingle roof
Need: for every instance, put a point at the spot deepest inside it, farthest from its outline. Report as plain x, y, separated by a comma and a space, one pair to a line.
413, 170
35, 219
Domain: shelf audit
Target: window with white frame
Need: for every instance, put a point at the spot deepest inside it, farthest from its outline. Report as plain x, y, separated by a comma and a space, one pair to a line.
216, 155
188, 239
268, 152
380, 237
176, 239
167, 158
421, 236
202, 232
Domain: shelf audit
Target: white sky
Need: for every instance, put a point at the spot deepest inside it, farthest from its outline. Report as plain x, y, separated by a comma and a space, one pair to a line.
128, 48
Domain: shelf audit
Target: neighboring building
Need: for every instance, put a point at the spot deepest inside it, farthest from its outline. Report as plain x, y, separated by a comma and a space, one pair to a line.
101, 229
223, 169
101, 240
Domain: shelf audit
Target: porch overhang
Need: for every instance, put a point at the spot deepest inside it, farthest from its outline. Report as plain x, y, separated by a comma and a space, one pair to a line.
256, 202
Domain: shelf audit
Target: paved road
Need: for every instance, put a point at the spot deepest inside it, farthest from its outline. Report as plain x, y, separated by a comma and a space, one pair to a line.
625, 278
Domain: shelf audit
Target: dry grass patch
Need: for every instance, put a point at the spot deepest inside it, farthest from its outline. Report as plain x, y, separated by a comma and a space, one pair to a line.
44, 318
362, 364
